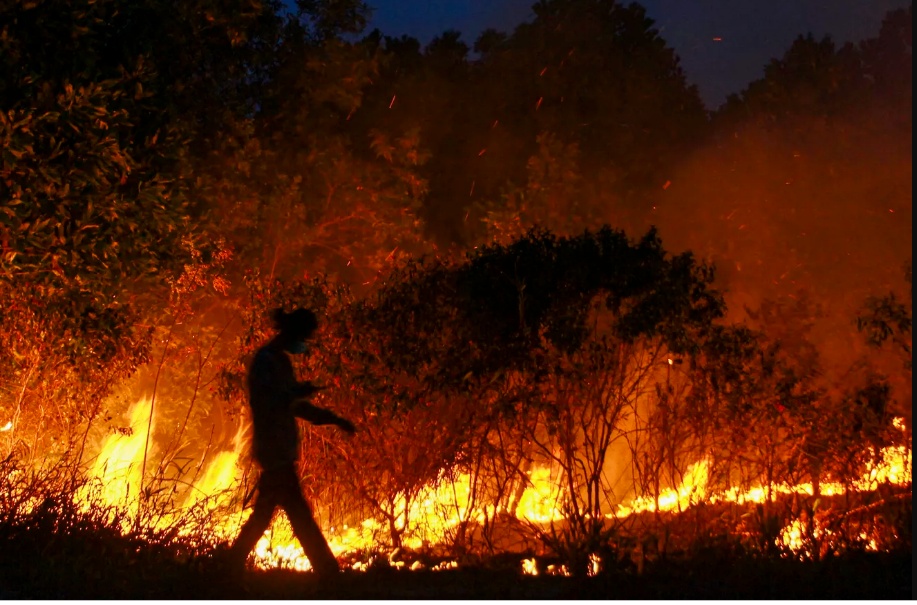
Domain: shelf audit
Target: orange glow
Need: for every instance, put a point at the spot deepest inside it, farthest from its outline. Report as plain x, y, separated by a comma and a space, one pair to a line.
691, 491
442, 505
118, 465
541, 501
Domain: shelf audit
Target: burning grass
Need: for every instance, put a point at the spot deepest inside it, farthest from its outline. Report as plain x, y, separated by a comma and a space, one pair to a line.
64, 549
152, 529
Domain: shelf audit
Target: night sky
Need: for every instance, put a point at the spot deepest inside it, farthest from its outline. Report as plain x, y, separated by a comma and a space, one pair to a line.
751, 32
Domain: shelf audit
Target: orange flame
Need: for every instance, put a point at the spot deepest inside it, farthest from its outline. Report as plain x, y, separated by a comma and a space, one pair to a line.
440, 506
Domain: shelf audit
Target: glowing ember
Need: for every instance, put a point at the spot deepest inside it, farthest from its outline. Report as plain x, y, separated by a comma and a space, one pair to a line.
791, 536
595, 565
558, 570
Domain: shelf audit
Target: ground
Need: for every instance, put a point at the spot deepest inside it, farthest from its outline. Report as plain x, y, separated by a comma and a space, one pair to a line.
861, 576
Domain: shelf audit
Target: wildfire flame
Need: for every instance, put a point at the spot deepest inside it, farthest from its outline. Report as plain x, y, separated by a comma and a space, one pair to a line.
119, 465
442, 505
692, 490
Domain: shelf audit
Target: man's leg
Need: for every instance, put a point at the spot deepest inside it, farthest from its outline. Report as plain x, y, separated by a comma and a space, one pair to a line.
257, 523
306, 529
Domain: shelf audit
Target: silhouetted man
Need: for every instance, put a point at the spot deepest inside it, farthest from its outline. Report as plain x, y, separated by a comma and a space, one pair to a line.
277, 399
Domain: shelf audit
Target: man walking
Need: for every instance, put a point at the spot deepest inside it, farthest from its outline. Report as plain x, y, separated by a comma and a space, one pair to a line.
276, 400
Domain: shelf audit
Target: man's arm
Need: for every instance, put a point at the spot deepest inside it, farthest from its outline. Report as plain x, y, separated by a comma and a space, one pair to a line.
305, 389
320, 416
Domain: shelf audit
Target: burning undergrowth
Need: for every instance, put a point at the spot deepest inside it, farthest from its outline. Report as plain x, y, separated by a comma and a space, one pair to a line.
573, 405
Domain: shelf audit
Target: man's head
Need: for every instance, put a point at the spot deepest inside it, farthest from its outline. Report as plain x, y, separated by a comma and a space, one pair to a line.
295, 327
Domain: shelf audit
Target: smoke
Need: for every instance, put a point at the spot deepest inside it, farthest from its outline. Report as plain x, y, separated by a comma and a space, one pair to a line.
817, 208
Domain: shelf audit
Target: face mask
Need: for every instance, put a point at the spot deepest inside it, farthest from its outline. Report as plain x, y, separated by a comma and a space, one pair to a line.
298, 348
